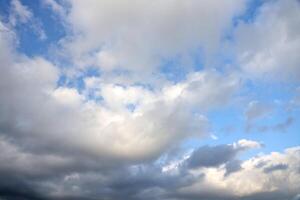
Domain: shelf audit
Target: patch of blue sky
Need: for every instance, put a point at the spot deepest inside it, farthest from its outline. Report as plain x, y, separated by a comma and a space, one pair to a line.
4, 9
78, 81
277, 131
172, 70
131, 107
270, 93
275, 140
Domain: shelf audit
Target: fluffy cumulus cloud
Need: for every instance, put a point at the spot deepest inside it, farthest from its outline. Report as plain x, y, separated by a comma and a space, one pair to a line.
96, 117
127, 118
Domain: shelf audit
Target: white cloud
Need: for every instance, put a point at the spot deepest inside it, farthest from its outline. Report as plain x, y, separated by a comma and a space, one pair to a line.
268, 48
247, 144
19, 12
106, 61
138, 34
67, 96
55, 6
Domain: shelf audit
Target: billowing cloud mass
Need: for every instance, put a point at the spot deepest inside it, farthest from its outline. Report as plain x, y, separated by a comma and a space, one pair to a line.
114, 100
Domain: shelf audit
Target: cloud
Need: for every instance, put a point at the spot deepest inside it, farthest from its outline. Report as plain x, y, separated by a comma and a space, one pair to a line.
19, 12
247, 144
249, 182
256, 110
211, 156
139, 35
60, 176
20, 15
40, 115
267, 47
278, 127
55, 6
275, 168
214, 156
232, 166
122, 134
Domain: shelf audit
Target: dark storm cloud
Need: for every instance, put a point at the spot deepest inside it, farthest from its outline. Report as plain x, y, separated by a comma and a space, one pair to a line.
29, 175
274, 195
145, 181
14, 186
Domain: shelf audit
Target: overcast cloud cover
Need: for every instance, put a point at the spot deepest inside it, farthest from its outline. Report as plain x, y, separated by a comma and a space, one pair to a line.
139, 99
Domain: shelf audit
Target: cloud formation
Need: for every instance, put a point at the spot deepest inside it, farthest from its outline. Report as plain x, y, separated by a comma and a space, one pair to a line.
138, 35
97, 116
268, 47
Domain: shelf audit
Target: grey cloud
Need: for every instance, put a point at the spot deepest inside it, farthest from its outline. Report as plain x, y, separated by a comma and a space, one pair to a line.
132, 182
14, 188
297, 197
277, 167
280, 127
261, 164
214, 156
232, 166
256, 110
211, 156
276, 195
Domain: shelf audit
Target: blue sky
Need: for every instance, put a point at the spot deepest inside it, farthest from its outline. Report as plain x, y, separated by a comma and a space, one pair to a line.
190, 99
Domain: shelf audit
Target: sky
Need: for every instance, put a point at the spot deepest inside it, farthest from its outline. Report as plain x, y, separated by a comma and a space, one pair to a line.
139, 99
